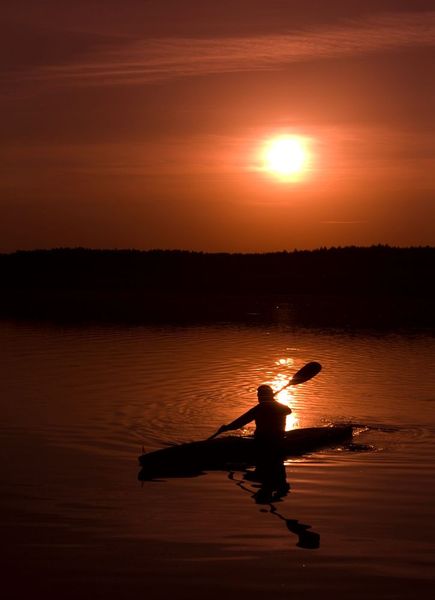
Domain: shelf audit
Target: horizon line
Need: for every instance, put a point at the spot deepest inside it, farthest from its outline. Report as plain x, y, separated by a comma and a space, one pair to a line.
214, 252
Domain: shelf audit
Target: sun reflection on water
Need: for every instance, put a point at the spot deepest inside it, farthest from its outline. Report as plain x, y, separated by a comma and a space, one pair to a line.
288, 396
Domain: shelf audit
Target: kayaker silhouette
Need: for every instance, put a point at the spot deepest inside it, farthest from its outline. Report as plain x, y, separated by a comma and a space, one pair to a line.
270, 419
266, 451
269, 416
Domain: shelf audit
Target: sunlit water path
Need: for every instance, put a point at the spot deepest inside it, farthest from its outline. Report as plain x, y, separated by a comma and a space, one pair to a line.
79, 404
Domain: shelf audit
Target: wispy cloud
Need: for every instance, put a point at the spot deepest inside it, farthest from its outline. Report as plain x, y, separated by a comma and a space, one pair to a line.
342, 222
149, 61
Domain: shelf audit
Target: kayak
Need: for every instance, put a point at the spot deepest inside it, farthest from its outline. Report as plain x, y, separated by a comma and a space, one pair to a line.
232, 452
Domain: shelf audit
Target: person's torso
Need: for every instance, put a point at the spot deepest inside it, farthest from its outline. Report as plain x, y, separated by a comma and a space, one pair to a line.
270, 419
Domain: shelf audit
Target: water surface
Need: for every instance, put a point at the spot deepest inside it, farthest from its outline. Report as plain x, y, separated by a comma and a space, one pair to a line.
79, 404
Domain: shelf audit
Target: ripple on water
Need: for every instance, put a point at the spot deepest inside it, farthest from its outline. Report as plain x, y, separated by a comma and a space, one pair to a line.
78, 404
115, 388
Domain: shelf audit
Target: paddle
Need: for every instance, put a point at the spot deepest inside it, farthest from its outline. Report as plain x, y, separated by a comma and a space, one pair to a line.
307, 372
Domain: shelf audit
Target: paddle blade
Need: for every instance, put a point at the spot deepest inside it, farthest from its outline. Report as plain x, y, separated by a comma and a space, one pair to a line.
307, 372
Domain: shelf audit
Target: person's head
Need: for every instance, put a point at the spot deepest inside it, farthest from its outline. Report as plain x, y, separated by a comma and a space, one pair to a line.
264, 393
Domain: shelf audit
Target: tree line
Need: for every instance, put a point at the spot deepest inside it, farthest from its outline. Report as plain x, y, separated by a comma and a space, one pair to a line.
143, 286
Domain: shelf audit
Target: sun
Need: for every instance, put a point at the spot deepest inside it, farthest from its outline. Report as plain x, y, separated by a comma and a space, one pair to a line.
286, 156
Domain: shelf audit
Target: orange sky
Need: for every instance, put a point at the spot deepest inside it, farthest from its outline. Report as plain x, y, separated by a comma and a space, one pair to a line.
138, 124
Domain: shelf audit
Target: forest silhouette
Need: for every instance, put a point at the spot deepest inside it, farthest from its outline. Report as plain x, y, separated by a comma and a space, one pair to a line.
377, 287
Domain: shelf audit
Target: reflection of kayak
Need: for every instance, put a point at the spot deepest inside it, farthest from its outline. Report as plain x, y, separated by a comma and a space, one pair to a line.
231, 451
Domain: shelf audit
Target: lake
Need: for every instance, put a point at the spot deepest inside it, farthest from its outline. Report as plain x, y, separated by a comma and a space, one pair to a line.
78, 405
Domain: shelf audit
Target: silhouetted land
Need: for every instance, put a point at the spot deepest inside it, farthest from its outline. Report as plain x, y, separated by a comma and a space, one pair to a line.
376, 287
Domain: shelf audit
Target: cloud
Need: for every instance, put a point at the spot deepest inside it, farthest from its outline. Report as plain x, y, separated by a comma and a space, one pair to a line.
343, 222
153, 60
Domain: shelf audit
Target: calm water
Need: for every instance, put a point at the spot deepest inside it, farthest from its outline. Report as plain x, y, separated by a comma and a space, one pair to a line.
78, 404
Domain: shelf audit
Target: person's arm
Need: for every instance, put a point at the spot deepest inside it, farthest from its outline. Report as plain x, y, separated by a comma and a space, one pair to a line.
240, 422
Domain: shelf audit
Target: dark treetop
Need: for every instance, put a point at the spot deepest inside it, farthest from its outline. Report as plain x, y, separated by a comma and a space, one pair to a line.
374, 287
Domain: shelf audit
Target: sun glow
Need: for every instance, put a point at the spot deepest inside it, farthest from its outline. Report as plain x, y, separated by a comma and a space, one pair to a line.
287, 157
292, 421
286, 396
